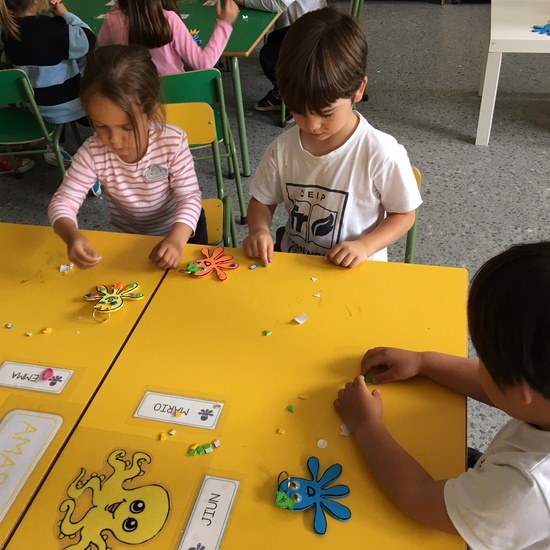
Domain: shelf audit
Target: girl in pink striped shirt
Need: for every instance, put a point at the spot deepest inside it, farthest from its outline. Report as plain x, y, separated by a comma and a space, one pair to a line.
148, 24
144, 165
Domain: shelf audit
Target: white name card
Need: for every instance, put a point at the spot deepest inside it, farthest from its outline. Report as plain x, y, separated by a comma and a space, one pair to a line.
210, 514
24, 436
30, 377
197, 413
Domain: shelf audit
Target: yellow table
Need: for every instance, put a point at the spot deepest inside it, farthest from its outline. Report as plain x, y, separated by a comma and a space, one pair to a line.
201, 349
36, 415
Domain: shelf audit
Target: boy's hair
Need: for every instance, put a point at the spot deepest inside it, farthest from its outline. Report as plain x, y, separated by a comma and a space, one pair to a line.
323, 58
126, 76
509, 317
147, 25
10, 9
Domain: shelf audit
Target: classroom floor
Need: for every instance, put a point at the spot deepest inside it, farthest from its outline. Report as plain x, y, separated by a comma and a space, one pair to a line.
424, 70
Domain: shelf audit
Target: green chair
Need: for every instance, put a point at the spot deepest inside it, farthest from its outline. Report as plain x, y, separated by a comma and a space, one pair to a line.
198, 121
206, 86
21, 123
411, 234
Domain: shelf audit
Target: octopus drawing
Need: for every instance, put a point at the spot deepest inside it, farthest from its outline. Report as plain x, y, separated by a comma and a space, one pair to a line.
131, 516
218, 262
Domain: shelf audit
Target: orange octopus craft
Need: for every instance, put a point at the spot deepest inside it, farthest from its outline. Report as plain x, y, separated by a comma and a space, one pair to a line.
114, 300
217, 263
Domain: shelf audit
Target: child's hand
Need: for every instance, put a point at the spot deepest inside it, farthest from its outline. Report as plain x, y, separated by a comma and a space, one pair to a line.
401, 364
259, 244
348, 253
81, 253
57, 8
166, 254
229, 13
358, 407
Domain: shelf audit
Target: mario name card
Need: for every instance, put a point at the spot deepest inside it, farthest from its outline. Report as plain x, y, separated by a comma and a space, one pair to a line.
210, 514
34, 377
24, 437
185, 411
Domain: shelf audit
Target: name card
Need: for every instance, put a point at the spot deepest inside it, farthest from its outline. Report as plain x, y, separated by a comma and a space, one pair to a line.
24, 437
185, 411
30, 377
210, 514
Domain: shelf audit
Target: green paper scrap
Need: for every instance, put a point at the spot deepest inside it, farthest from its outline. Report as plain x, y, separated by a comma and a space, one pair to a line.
282, 500
291, 408
368, 379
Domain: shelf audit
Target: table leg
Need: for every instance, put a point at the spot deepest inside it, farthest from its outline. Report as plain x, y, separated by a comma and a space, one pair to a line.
241, 123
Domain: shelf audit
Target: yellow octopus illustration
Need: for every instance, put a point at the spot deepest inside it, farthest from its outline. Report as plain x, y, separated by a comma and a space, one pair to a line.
133, 516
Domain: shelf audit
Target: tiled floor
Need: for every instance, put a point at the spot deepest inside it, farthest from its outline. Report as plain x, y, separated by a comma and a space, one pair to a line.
424, 71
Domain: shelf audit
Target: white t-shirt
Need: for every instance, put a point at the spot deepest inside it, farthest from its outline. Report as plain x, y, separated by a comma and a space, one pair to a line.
339, 196
504, 502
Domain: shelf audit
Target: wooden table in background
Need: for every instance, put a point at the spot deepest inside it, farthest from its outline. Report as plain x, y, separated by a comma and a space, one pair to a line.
201, 348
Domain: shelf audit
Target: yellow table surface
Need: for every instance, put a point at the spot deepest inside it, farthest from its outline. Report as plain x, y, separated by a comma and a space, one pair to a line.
204, 339
36, 296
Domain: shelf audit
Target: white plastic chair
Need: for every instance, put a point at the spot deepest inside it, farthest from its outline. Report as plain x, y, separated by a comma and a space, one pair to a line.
511, 32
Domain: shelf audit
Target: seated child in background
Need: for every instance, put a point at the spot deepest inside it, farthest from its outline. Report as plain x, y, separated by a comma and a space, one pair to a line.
348, 188
501, 502
146, 23
144, 165
50, 50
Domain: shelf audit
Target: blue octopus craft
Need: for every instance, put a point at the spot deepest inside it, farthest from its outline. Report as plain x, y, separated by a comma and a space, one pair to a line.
542, 30
298, 494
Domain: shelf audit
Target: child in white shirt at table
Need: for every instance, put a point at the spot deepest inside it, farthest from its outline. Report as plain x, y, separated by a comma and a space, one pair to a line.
147, 23
502, 501
349, 189
144, 165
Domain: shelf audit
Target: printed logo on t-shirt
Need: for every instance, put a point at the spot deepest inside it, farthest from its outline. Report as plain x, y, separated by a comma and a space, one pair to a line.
156, 172
315, 220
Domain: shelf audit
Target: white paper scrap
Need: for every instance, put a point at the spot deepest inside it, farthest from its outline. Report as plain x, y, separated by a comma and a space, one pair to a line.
344, 430
301, 319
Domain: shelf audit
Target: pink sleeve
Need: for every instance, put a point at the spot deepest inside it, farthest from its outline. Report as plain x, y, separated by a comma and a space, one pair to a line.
185, 186
78, 180
113, 30
190, 51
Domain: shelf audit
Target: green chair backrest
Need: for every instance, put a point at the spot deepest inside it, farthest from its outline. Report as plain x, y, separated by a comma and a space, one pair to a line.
14, 86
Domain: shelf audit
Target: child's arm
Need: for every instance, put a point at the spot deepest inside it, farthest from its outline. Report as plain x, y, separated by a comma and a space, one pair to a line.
81, 38
457, 373
186, 47
403, 479
276, 6
79, 248
390, 230
259, 243
167, 254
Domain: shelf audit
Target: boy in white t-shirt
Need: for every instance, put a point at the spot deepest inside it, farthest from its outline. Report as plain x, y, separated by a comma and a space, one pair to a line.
503, 501
348, 188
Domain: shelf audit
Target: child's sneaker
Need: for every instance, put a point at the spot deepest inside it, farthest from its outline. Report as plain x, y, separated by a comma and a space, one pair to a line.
24, 165
270, 102
96, 189
289, 119
50, 158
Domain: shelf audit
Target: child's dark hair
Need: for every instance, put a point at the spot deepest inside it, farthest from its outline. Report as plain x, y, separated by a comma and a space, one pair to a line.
323, 58
147, 25
126, 76
509, 317
10, 9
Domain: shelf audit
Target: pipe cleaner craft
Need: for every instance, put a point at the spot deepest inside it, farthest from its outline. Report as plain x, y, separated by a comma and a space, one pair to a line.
542, 30
298, 494
217, 263
113, 300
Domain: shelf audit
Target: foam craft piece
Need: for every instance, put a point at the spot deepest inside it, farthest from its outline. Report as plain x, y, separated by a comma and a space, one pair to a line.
113, 300
218, 262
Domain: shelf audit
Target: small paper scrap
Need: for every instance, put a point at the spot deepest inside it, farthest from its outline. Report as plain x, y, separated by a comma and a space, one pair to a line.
172, 432
322, 444
290, 408
9, 325
344, 430
47, 330
29, 334
316, 295
216, 443
267, 333
281, 431
301, 319
303, 397
255, 266
65, 268
162, 436
313, 279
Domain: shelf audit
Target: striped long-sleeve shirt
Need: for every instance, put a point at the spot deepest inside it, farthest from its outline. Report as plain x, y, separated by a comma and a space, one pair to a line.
146, 197
50, 51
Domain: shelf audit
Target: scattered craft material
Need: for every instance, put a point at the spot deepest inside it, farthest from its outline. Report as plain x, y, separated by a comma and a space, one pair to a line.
48, 374
316, 295
303, 397
313, 279
322, 444
113, 300
255, 266
47, 330
216, 443
314, 492
290, 408
301, 319
281, 431
162, 436
172, 432
368, 379
9, 325
542, 30
207, 448
245, 16
178, 414
344, 430
65, 268
29, 334
267, 333
217, 263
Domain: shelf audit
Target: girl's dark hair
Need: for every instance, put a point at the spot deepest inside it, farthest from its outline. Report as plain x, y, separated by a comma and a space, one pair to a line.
126, 76
509, 317
323, 58
147, 25
10, 9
